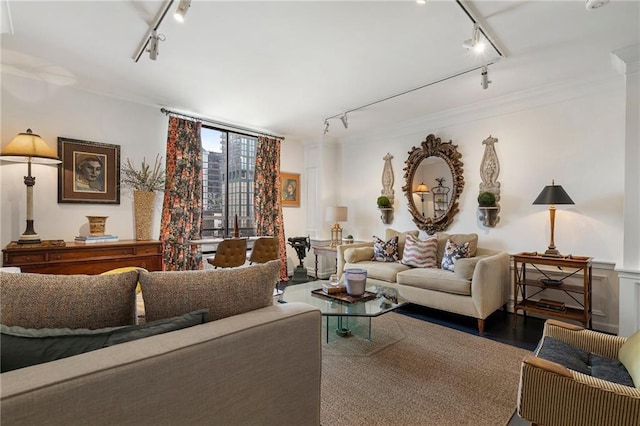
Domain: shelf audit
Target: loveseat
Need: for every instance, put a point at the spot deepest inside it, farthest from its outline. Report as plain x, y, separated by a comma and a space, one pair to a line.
477, 287
253, 362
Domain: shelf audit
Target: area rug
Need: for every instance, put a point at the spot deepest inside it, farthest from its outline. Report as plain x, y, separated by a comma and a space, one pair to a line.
418, 373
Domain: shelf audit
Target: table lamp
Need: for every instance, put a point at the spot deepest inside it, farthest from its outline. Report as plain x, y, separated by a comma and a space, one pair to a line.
29, 148
553, 194
421, 190
336, 214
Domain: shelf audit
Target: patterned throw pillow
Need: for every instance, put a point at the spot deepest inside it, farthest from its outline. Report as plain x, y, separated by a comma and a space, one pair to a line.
385, 252
420, 253
452, 252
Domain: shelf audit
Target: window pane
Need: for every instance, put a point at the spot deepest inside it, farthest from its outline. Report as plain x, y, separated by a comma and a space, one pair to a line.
228, 173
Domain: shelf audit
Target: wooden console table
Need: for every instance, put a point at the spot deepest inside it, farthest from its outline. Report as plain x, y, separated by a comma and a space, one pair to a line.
553, 280
78, 258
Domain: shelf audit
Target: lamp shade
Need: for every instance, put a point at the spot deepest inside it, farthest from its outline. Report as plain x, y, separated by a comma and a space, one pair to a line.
336, 214
553, 194
422, 189
27, 147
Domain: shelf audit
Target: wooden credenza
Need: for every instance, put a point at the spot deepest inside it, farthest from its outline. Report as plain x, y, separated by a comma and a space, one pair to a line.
78, 258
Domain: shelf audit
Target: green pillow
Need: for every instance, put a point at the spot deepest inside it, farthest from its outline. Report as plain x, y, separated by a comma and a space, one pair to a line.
629, 356
21, 347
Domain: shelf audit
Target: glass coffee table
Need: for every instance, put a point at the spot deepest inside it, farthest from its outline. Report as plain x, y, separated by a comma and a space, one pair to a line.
343, 317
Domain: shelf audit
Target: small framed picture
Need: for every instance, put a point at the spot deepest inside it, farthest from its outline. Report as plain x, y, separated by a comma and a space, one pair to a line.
290, 189
89, 173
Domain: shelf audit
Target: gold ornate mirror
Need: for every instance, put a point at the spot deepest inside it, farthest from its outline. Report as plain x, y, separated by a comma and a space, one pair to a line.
433, 183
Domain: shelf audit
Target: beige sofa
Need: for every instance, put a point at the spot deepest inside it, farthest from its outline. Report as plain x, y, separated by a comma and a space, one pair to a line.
261, 366
478, 287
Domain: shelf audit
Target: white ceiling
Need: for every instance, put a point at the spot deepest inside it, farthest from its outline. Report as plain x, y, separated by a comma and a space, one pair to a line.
283, 67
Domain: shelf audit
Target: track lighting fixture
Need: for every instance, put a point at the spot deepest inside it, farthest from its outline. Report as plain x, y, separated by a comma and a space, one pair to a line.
343, 118
326, 127
182, 9
154, 41
484, 77
474, 43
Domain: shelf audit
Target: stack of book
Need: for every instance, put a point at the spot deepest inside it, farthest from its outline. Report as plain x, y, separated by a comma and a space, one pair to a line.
551, 305
91, 239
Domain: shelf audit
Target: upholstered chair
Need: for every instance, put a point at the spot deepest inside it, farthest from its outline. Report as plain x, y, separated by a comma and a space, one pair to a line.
265, 249
230, 253
581, 377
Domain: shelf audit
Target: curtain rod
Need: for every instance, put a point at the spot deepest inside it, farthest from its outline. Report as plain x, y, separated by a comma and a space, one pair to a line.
227, 126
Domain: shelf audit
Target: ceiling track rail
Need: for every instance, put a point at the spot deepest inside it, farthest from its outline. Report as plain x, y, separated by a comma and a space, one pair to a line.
479, 67
154, 27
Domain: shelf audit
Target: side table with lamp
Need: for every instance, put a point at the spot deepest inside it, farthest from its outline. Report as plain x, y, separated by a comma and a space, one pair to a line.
554, 272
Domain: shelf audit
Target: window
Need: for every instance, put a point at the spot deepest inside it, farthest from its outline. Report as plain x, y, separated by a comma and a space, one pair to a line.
228, 171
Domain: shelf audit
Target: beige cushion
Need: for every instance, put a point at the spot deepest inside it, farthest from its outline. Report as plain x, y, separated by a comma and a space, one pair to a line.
420, 253
402, 237
225, 292
459, 240
434, 279
465, 267
384, 271
358, 254
68, 301
629, 356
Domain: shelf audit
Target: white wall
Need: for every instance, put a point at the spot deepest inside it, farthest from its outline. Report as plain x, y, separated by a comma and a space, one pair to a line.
140, 130
573, 134
578, 140
53, 111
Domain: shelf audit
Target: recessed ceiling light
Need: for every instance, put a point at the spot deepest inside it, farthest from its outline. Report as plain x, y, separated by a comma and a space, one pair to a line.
595, 4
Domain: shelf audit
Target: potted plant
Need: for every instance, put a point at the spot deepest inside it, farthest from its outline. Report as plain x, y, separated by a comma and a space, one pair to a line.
383, 202
487, 199
144, 181
488, 208
348, 239
386, 209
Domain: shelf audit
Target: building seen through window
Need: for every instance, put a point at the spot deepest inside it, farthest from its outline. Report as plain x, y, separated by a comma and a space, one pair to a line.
228, 172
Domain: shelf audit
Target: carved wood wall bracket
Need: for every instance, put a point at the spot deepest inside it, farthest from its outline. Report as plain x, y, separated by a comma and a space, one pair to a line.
489, 172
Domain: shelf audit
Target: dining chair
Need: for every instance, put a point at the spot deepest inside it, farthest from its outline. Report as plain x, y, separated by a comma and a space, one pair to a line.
265, 249
230, 253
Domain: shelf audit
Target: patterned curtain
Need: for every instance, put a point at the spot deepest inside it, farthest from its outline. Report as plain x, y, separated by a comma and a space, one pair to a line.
182, 206
267, 203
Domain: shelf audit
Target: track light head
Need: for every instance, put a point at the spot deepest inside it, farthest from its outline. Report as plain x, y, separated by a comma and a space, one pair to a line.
474, 43
154, 41
181, 10
343, 118
326, 127
484, 77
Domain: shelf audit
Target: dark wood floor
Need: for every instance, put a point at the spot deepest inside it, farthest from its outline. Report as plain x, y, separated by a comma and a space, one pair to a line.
501, 326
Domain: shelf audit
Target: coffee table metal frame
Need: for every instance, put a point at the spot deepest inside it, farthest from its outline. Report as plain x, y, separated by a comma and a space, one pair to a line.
387, 299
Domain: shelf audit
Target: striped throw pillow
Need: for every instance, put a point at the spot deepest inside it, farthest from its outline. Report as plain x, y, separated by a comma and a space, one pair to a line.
420, 253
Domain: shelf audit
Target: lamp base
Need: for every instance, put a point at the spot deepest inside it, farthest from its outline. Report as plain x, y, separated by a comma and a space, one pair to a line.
30, 236
29, 239
552, 252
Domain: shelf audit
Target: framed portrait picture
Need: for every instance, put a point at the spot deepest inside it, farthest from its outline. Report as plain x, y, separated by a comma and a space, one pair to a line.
290, 189
89, 173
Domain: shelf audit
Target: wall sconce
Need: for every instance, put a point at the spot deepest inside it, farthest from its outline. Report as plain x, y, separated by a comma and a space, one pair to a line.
336, 214
29, 148
553, 194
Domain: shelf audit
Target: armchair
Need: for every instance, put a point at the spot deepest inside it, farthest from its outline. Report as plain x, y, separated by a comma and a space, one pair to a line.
552, 394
